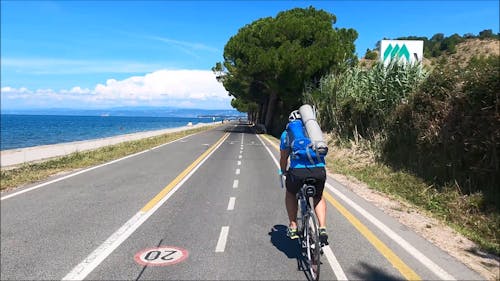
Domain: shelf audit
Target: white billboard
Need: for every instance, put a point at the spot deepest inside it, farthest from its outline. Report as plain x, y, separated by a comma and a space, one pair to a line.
411, 51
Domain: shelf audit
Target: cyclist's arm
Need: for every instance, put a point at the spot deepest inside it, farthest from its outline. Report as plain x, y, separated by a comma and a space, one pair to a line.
284, 153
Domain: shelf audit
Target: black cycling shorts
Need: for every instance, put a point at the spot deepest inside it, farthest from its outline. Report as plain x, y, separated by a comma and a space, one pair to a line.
295, 178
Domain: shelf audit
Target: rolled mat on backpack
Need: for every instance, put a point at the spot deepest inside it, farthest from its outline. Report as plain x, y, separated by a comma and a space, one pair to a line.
312, 128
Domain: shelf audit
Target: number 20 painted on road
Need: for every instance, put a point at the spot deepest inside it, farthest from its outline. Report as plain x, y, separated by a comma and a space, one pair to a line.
161, 256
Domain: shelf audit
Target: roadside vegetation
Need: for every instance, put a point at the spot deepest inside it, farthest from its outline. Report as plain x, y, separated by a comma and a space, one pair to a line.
35, 172
431, 136
463, 212
432, 130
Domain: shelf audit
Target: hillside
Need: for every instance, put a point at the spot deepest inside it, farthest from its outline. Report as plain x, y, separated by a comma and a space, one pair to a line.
474, 47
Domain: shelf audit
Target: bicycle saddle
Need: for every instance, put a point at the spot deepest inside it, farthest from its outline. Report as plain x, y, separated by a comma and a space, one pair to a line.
310, 181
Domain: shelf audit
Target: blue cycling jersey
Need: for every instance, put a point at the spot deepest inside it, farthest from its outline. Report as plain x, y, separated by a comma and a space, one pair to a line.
298, 163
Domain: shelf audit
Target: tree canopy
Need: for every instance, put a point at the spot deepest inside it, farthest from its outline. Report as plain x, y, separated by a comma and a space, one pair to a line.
268, 63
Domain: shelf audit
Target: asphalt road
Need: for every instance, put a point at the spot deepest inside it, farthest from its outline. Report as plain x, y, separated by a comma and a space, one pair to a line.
206, 207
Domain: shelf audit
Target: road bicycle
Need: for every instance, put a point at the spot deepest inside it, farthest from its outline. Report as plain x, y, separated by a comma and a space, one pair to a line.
307, 227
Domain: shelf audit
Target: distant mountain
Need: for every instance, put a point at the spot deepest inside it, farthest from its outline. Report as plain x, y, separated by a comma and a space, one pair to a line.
132, 111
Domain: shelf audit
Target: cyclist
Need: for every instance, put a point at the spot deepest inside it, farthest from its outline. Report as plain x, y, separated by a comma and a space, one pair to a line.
299, 170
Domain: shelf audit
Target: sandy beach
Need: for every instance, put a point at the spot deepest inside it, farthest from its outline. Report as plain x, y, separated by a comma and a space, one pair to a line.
13, 157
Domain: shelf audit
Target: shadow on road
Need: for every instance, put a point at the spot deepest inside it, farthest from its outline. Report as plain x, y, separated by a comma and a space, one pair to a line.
289, 247
279, 239
245, 129
368, 272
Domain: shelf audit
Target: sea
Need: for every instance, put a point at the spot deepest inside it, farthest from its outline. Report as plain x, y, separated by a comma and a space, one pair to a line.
20, 131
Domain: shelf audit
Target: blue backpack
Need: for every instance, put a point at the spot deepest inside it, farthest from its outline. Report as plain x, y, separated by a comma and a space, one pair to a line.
300, 143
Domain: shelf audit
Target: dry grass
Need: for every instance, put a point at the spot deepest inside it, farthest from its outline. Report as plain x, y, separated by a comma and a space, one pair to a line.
475, 47
462, 212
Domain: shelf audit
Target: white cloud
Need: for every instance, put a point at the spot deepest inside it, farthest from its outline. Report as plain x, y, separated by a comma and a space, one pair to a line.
182, 88
78, 90
173, 84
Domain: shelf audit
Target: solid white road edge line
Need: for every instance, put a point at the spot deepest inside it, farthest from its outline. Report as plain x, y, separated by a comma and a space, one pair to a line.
332, 260
230, 205
88, 170
221, 243
93, 260
437, 270
334, 263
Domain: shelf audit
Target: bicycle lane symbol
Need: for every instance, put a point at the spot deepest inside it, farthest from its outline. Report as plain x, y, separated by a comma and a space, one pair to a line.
161, 256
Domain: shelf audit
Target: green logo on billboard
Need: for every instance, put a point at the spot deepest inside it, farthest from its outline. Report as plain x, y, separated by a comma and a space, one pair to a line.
397, 52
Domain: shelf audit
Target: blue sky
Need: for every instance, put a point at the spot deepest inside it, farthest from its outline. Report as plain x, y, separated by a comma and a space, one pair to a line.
98, 54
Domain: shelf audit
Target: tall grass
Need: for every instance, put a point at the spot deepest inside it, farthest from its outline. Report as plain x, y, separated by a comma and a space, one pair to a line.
359, 100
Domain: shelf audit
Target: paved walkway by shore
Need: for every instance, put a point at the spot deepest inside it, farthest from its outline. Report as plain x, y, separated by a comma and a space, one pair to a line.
14, 157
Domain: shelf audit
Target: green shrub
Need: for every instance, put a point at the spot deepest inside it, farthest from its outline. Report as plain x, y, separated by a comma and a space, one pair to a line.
449, 132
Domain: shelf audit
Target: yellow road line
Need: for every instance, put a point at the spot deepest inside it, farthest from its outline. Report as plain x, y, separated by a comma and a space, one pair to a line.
181, 176
404, 269
271, 142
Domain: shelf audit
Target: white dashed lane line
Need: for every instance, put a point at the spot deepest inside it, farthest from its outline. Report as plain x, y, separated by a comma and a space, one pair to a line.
224, 232
221, 244
230, 206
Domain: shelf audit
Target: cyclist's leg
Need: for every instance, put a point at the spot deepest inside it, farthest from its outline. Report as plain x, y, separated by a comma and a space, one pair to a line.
292, 187
319, 200
291, 208
320, 203
320, 209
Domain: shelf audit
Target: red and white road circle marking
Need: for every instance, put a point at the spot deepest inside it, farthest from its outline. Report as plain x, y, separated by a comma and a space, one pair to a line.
161, 256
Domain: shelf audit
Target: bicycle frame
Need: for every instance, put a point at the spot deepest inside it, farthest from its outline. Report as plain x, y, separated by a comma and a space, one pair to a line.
308, 230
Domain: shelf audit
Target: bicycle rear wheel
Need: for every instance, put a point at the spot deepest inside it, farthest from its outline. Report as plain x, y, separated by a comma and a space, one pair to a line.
313, 248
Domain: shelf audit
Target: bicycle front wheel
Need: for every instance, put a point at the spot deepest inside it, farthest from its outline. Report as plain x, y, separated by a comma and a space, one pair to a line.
313, 248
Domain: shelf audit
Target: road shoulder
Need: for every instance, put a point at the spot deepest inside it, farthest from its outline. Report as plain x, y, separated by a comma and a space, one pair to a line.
444, 237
